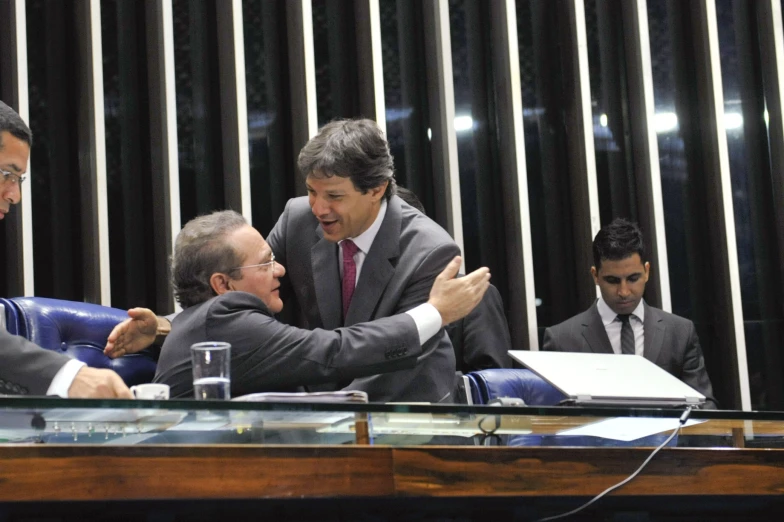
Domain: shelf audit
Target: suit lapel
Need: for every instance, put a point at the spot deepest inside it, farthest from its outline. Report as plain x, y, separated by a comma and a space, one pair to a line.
654, 333
594, 333
326, 280
378, 267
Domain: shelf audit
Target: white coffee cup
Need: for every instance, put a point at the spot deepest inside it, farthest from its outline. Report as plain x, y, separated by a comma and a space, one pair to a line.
157, 392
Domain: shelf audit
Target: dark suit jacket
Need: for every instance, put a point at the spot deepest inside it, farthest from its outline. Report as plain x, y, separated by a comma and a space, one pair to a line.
481, 339
26, 368
670, 341
267, 355
409, 251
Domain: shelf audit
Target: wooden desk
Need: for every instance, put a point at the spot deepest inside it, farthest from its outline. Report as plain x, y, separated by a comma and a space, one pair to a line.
82, 473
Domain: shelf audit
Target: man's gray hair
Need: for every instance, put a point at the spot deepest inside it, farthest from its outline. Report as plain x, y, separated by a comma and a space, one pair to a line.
11, 122
201, 250
355, 149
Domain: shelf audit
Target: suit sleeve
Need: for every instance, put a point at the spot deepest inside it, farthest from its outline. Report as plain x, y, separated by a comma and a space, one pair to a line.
418, 289
283, 356
694, 372
486, 340
26, 368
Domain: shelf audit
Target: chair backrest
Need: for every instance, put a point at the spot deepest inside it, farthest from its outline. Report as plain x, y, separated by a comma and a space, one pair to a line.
486, 385
77, 329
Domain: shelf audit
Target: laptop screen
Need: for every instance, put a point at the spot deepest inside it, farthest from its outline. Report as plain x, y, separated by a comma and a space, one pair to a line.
609, 378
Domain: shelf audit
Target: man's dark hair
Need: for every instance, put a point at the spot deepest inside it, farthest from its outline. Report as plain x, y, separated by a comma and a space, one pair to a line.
11, 122
201, 250
618, 240
409, 197
354, 149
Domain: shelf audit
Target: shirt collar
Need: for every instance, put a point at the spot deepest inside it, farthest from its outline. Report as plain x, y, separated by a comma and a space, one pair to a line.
608, 316
365, 240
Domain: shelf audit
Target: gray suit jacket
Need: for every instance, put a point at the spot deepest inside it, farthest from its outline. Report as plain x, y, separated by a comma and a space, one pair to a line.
409, 251
267, 355
26, 368
670, 342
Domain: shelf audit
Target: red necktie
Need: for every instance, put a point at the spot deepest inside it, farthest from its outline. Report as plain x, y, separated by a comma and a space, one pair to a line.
349, 273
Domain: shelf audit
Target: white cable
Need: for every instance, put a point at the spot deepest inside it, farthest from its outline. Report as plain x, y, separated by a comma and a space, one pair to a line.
677, 430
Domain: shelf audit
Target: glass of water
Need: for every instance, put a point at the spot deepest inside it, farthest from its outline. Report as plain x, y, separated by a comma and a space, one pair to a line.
211, 367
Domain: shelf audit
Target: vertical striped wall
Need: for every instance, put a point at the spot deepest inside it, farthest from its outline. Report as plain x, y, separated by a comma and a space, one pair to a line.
303, 69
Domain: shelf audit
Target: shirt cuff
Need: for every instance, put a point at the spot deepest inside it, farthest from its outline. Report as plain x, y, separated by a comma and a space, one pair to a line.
64, 378
427, 319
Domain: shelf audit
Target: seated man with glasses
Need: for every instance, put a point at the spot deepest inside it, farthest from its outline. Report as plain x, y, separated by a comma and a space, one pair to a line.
227, 280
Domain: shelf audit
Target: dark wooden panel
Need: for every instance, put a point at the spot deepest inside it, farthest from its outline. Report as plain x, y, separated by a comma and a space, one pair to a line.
115, 473
586, 471
100, 473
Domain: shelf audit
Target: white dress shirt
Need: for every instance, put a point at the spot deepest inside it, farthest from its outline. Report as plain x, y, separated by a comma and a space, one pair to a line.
64, 378
612, 325
426, 317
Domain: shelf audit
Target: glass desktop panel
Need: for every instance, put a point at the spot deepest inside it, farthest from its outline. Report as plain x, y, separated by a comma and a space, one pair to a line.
123, 422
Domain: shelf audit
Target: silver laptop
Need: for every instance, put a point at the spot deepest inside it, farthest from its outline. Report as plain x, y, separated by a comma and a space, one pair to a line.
609, 379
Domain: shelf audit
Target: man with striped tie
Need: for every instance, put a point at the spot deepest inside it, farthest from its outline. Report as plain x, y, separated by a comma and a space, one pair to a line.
621, 322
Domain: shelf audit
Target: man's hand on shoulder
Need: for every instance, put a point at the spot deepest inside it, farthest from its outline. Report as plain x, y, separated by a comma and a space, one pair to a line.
135, 333
455, 298
96, 383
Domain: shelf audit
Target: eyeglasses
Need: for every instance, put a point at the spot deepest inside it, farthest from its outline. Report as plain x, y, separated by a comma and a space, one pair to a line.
13, 178
263, 266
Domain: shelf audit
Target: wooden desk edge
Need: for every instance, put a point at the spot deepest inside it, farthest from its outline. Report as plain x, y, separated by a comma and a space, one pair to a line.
79, 472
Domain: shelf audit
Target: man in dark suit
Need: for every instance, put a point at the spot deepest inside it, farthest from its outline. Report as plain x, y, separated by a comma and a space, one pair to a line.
621, 322
227, 279
27, 369
356, 252
481, 339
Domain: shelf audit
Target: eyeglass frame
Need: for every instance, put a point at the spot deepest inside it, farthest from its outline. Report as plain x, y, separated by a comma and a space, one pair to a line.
270, 263
19, 178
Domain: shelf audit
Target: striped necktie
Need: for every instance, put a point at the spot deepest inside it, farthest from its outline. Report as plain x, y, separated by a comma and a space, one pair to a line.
627, 335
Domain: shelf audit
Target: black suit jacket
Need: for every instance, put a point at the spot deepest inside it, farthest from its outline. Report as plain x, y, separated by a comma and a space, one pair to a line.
267, 355
671, 342
26, 368
481, 339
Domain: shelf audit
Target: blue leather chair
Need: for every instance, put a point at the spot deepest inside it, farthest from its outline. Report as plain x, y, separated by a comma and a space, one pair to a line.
78, 330
486, 385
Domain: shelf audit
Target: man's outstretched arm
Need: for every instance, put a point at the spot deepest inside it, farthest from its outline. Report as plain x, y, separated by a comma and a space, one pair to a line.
140, 330
143, 327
